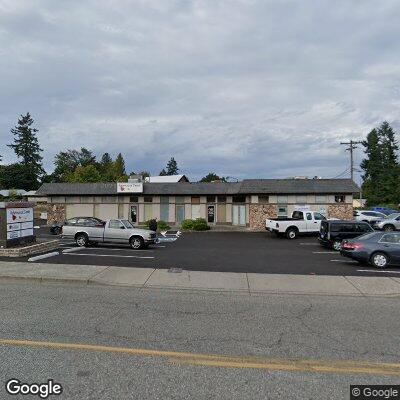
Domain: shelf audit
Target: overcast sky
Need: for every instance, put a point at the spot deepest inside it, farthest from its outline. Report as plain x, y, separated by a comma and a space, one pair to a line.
245, 88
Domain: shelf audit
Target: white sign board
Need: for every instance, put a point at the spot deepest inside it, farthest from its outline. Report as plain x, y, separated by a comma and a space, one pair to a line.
302, 207
129, 187
19, 222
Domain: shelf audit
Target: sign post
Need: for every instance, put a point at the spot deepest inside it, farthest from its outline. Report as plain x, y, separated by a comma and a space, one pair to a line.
16, 224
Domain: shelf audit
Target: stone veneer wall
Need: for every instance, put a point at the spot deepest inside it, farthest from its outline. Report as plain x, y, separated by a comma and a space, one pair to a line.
341, 211
258, 213
56, 213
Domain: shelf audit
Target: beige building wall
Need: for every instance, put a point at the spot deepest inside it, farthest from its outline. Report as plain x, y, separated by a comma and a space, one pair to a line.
203, 211
141, 212
156, 210
79, 210
229, 212
171, 213
108, 211
188, 211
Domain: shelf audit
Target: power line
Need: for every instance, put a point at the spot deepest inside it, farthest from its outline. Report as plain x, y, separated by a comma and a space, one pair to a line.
341, 174
352, 146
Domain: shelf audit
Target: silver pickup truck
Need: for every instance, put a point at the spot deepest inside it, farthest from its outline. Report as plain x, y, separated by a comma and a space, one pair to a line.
89, 230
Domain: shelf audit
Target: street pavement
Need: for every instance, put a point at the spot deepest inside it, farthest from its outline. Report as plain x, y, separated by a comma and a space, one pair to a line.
102, 342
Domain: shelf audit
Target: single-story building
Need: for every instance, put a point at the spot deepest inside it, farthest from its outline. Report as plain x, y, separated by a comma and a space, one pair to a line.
247, 203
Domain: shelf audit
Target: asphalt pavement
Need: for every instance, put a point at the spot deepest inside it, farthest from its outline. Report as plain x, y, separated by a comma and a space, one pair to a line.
105, 343
248, 252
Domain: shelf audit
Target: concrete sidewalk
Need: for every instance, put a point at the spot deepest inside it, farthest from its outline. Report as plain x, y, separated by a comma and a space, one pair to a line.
196, 280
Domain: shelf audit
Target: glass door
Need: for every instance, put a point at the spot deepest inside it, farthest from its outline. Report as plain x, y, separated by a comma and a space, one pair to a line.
134, 214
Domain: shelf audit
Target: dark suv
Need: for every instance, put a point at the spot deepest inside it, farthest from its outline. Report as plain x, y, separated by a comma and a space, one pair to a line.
332, 232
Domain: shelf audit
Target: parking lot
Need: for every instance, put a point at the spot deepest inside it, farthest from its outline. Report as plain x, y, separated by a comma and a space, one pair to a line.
258, 252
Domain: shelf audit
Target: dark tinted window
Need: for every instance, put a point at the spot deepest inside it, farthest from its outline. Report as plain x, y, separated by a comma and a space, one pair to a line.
348, 228
391, 238
363, 228
319, 217
340, 198
298, 215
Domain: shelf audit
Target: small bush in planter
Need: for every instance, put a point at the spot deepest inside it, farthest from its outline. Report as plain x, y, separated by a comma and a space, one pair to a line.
187, 224
200, 224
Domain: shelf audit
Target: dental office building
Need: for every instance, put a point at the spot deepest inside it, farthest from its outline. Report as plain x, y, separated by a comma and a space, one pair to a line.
248, 203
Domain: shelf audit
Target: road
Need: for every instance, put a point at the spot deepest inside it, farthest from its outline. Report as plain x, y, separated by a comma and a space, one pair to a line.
108, 343
251, 252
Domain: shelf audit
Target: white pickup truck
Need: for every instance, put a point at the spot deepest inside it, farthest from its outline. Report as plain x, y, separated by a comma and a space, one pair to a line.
301, 222
89, 230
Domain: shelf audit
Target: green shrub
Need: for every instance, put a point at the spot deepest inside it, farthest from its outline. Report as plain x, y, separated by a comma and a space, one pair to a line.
187, 224
161, 225
198, 224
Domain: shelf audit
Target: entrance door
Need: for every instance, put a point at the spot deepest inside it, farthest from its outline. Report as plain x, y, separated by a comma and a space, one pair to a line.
211, 214
180, 213
134, 214
238, 214
196, 211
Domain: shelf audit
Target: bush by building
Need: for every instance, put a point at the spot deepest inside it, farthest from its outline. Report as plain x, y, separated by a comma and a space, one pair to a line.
198, 224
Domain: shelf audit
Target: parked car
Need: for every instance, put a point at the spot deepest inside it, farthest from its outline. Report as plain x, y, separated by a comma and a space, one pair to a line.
390, 223
56, 228
367, 215
384, 210
332, 233
87, 231
301, 222
379, 249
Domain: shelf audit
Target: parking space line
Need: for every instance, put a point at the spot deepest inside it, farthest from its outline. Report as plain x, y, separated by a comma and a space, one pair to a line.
114, 249
309, 244
104, 255
378, 270
325, 252
42, 256
72, 249
345, 261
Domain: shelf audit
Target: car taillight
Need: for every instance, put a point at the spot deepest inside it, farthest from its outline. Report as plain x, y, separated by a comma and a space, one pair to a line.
352, 246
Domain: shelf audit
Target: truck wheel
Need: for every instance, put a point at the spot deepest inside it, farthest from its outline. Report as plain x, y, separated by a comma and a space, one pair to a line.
291, 233
389, 228
137, 243
337, 245
379, 260
81, 240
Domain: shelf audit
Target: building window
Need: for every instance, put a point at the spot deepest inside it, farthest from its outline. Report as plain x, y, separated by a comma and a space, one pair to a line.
239, 199
263, 199
282, 210
133, 199
340, 198
195, 199
221, 199
210, 199
320, 199
282, 199
148, 199
164, 200
179, 200
301, 199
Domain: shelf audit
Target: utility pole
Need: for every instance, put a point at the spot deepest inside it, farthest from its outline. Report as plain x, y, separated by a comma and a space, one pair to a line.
352, 146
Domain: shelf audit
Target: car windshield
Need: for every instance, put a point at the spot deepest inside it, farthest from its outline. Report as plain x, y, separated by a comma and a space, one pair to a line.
127, 223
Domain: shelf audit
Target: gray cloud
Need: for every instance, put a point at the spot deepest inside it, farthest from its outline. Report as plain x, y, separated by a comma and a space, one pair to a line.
244, 88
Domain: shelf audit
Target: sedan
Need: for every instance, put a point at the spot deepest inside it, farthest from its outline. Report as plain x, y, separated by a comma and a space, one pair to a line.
379, 249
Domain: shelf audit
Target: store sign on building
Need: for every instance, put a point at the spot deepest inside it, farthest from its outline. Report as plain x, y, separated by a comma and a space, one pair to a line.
129, 187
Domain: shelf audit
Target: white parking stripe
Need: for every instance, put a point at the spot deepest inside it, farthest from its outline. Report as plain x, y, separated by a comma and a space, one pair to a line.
42, 256
113, 249
103, 255
72, 249
378, 270
345, 261
325, 252
309, 244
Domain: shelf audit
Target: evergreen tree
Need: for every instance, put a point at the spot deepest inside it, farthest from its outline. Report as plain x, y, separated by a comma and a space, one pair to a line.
381, 169
26, 147
17, 176
107, 168
163, 172
172, 167
119, 164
